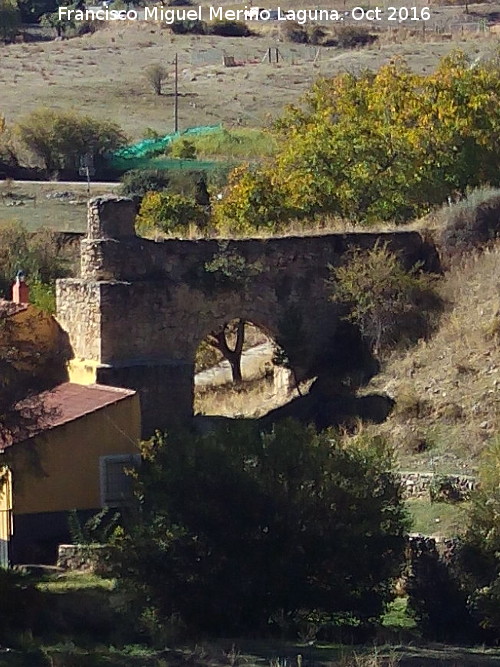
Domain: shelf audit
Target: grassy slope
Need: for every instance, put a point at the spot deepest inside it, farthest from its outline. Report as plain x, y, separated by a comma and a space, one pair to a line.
447, 388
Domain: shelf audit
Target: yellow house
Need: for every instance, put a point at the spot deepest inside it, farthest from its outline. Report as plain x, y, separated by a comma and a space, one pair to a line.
36, 342
70, 453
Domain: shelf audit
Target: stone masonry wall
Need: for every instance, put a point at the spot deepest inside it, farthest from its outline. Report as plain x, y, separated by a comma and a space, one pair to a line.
141, 305
79, 313
419, 484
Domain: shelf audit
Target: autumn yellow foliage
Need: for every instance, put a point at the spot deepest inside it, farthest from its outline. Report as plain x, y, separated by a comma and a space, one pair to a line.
384, 146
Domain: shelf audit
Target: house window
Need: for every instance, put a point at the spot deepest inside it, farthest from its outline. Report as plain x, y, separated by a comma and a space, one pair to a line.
116, 484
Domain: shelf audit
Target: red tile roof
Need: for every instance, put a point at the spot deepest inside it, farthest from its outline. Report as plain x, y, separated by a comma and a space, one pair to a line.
61, 405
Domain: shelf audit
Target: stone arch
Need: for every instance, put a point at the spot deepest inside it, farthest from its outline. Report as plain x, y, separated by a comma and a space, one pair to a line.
263, 386
140, 307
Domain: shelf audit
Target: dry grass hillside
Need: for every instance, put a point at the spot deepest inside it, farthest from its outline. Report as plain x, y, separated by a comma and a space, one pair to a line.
447, 390
102, 74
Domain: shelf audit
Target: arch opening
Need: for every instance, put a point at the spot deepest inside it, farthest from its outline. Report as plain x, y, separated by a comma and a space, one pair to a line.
238, 372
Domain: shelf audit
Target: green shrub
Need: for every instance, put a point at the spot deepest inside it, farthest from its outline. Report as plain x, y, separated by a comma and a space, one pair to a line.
315, 34
390, 305
350, 37
32, 10
436, 598
229, 269
184, 150
169, 213
480, 557
236, 532
43, 295
10, 20
137, 182
445, 489
294, 32
59, 139
37, 254
229, 29
189, 28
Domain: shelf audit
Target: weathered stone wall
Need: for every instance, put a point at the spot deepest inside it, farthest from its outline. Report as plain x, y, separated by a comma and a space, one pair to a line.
84, 558
78, 312
141, 308
419, 484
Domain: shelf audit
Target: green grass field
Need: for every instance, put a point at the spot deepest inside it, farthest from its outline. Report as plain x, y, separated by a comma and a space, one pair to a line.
28, 204
439, 519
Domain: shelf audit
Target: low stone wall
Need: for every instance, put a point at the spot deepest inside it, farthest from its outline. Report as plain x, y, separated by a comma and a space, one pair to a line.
83, 557
422, 484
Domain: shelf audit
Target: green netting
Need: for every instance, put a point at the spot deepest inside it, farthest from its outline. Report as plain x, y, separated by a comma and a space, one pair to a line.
148, 147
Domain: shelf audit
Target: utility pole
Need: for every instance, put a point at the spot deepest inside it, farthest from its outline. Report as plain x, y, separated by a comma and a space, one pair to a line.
176, 98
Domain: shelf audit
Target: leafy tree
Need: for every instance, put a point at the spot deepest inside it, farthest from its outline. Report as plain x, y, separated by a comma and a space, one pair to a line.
25, 369
228, 269
34, 253
138, 182
8, 156
238, 526
61, 138
169, 213
253, 200
481, 554
60, 25
436, 598
10, 20
156, 75
390, 305
32, 10
378, 146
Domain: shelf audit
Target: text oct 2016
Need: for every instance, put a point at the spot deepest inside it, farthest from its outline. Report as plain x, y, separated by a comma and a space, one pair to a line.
217, 13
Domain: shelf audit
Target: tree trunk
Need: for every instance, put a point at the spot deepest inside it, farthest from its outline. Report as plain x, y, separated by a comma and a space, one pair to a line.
218, 340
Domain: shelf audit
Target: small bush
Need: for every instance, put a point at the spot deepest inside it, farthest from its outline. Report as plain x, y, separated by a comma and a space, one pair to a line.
445, 489
409, 405
184, 150
189, 28
37, 254
315, 35
229, 269
350, 37
169, 213
390, 305
137, 182
436, 599
471, 223
156, 75
294, 32
229, 29
86, 28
